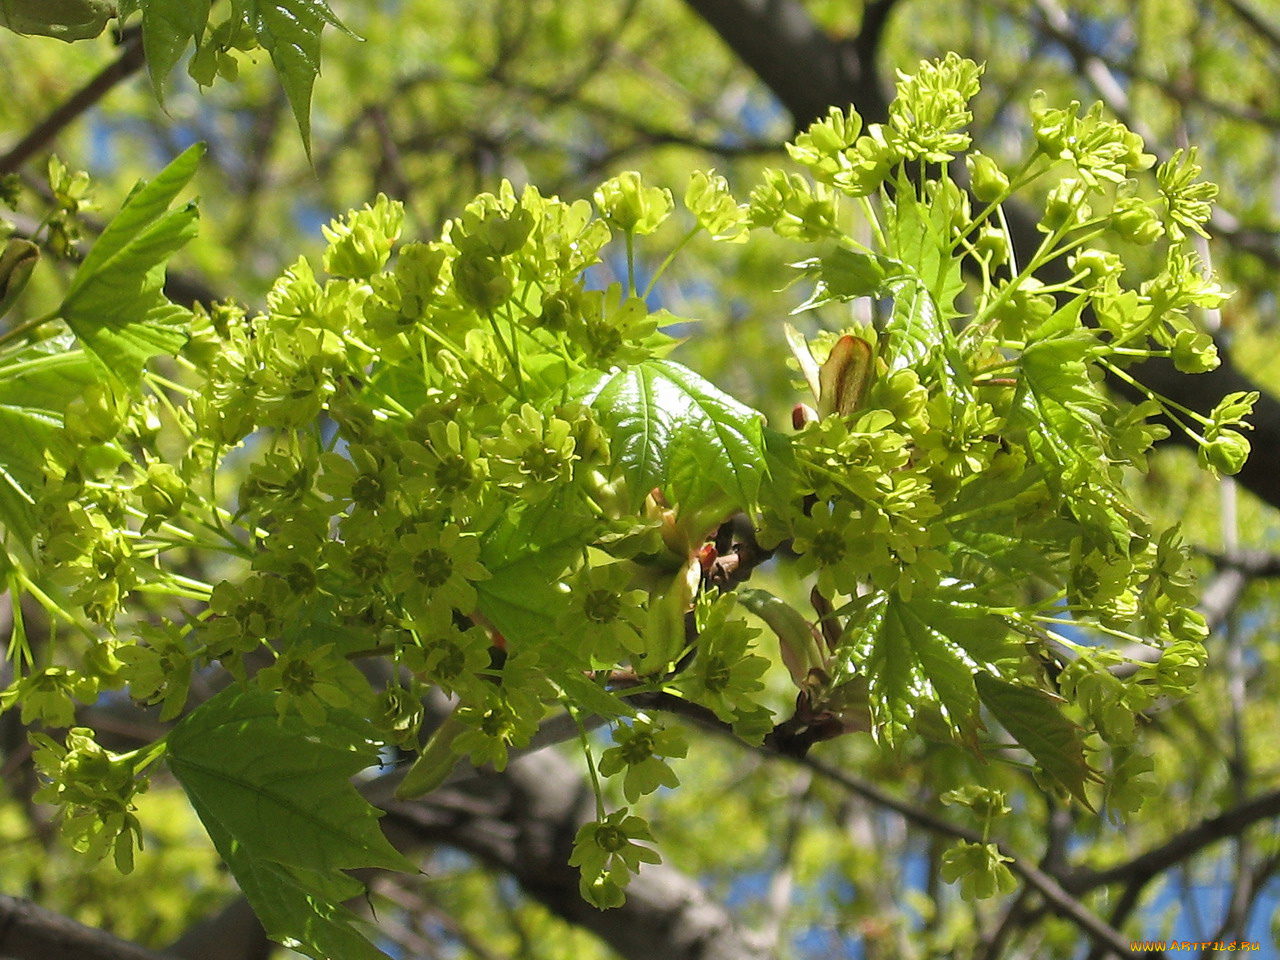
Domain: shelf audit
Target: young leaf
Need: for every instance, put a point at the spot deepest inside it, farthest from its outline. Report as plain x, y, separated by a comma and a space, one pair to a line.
844, 377
1032, 718
804, 357
1061, 408
278, 790
289, 30
116, 305
920, 236
670, 428
921, 652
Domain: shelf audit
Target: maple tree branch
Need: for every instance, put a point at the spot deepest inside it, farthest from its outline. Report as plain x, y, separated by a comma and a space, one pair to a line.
1179, 847
129, 62
30, 932
809, 71
523, 822
1051, 890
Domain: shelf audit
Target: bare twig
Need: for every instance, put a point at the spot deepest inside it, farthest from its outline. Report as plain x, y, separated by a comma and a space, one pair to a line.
1180, 847
129, 62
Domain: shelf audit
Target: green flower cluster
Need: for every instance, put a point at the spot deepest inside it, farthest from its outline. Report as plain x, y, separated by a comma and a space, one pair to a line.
959, 484
456, 458
95, 789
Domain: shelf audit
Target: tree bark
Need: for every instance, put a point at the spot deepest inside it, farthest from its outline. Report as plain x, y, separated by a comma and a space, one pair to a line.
30, 932
523, 821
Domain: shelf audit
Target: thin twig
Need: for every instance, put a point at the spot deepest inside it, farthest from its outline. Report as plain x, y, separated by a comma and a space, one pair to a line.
129, 62
1183, 845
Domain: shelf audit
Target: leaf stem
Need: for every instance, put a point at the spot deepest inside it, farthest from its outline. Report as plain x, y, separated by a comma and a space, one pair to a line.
670, 258
27, 326
586, 752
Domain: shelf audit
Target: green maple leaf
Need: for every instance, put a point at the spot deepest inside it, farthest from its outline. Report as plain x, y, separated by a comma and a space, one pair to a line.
671, 429
116, 305
922, 654
276, 798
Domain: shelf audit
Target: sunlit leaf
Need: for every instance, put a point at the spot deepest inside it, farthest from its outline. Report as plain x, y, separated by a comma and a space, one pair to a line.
669, 428
277, 787
116, 305
922, 654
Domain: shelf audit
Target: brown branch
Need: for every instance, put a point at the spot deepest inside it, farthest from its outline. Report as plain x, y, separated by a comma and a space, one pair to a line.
1056, 896
807, 70
523, 822
30, 932
129, 62
1054, 893
1186, 844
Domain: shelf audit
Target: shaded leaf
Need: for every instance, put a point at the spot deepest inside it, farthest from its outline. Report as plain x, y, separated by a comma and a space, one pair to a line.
278, 790
294, 906
68, 20
1032, 717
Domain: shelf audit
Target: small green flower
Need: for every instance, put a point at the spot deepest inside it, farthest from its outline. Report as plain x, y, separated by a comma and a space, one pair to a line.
980, 868
607, 852
502, 717
399, 713
1188, 201
447, 656
824, 541
990, 183
248, 614
366, 480
361, 242
708, 198
49, 696
307, 681
161, 493
447, 469
279, 483
534, 455
725, 674
641, 747
1134, 220
159, 671
626, 204
434, 569
96, 788
603, 615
